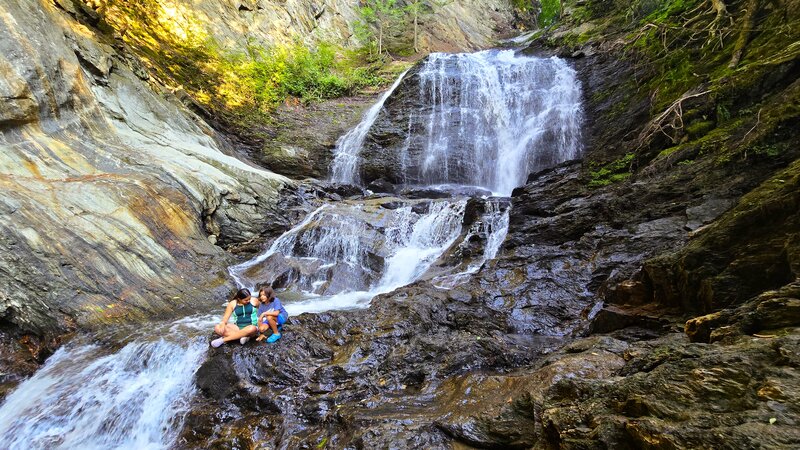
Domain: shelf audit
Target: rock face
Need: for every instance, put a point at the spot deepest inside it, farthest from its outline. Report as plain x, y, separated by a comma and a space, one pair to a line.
457, 25
113, 193
425, 369
302, 138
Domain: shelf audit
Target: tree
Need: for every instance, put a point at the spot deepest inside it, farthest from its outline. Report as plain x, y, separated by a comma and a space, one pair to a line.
418, 8
384, 15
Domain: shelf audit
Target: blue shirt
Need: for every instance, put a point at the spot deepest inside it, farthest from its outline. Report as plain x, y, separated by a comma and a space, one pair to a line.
274, 305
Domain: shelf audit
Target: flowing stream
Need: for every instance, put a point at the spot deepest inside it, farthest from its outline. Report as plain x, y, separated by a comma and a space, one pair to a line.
87, 396
487, 119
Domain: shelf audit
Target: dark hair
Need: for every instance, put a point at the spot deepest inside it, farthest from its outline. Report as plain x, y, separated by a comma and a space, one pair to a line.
242, 294
268, 291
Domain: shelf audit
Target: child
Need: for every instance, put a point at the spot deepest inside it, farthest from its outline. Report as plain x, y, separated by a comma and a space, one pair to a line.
271, 314
243, 307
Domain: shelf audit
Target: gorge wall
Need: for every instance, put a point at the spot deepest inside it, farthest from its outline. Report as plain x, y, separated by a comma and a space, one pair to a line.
113, 192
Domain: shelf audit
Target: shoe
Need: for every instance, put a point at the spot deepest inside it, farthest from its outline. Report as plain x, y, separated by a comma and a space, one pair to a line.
217, 342
244, 340
274, 338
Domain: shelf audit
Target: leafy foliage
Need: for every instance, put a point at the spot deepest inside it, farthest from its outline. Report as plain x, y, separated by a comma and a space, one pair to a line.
238, 87
379, 19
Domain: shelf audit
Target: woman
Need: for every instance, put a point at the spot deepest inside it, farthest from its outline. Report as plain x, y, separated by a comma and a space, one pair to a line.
245, 312
271, 314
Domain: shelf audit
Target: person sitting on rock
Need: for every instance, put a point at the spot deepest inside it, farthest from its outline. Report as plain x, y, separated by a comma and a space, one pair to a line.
271, 314
244, 308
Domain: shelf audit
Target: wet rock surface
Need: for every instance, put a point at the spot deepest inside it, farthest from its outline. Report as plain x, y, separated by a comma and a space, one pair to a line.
384, 369
300, 141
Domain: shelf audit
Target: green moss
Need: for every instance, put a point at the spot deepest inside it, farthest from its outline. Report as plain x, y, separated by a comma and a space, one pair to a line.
668, 151
669, 10
699, 128
550, 12
613, 172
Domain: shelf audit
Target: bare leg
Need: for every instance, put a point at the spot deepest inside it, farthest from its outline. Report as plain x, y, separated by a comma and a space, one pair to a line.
262, 328
247, 331
227, 329
273, 323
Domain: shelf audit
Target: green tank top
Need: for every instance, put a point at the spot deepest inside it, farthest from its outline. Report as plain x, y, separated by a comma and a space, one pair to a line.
245, 315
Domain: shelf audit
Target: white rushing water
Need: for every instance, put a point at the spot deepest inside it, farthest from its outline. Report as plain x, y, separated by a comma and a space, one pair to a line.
345, 161
335, 245
487, 119
494, 226
86, 397
494, 117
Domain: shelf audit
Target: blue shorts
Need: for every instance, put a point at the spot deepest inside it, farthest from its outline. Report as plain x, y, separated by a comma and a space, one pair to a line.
281, 320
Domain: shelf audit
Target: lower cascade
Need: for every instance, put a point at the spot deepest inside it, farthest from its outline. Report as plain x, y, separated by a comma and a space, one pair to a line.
88, 397
342, 255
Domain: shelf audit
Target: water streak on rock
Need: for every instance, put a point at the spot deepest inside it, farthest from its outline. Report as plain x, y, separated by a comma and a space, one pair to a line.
345, 162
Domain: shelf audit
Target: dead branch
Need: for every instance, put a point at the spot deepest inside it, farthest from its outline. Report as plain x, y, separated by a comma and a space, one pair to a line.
670, 119
716, 30
758, 120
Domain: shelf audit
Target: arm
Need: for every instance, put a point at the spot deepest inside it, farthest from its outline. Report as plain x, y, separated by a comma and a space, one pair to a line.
228, 312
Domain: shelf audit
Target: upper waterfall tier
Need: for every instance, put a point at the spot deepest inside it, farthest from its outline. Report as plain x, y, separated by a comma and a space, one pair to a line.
486, 119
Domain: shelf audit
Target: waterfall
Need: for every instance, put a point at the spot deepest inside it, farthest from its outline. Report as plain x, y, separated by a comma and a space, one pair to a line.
484, 119
87, 397
492, 117
345, 160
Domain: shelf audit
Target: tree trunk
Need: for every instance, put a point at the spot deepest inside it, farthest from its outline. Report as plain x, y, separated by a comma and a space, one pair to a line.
748, 23
416, 16
380, 39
